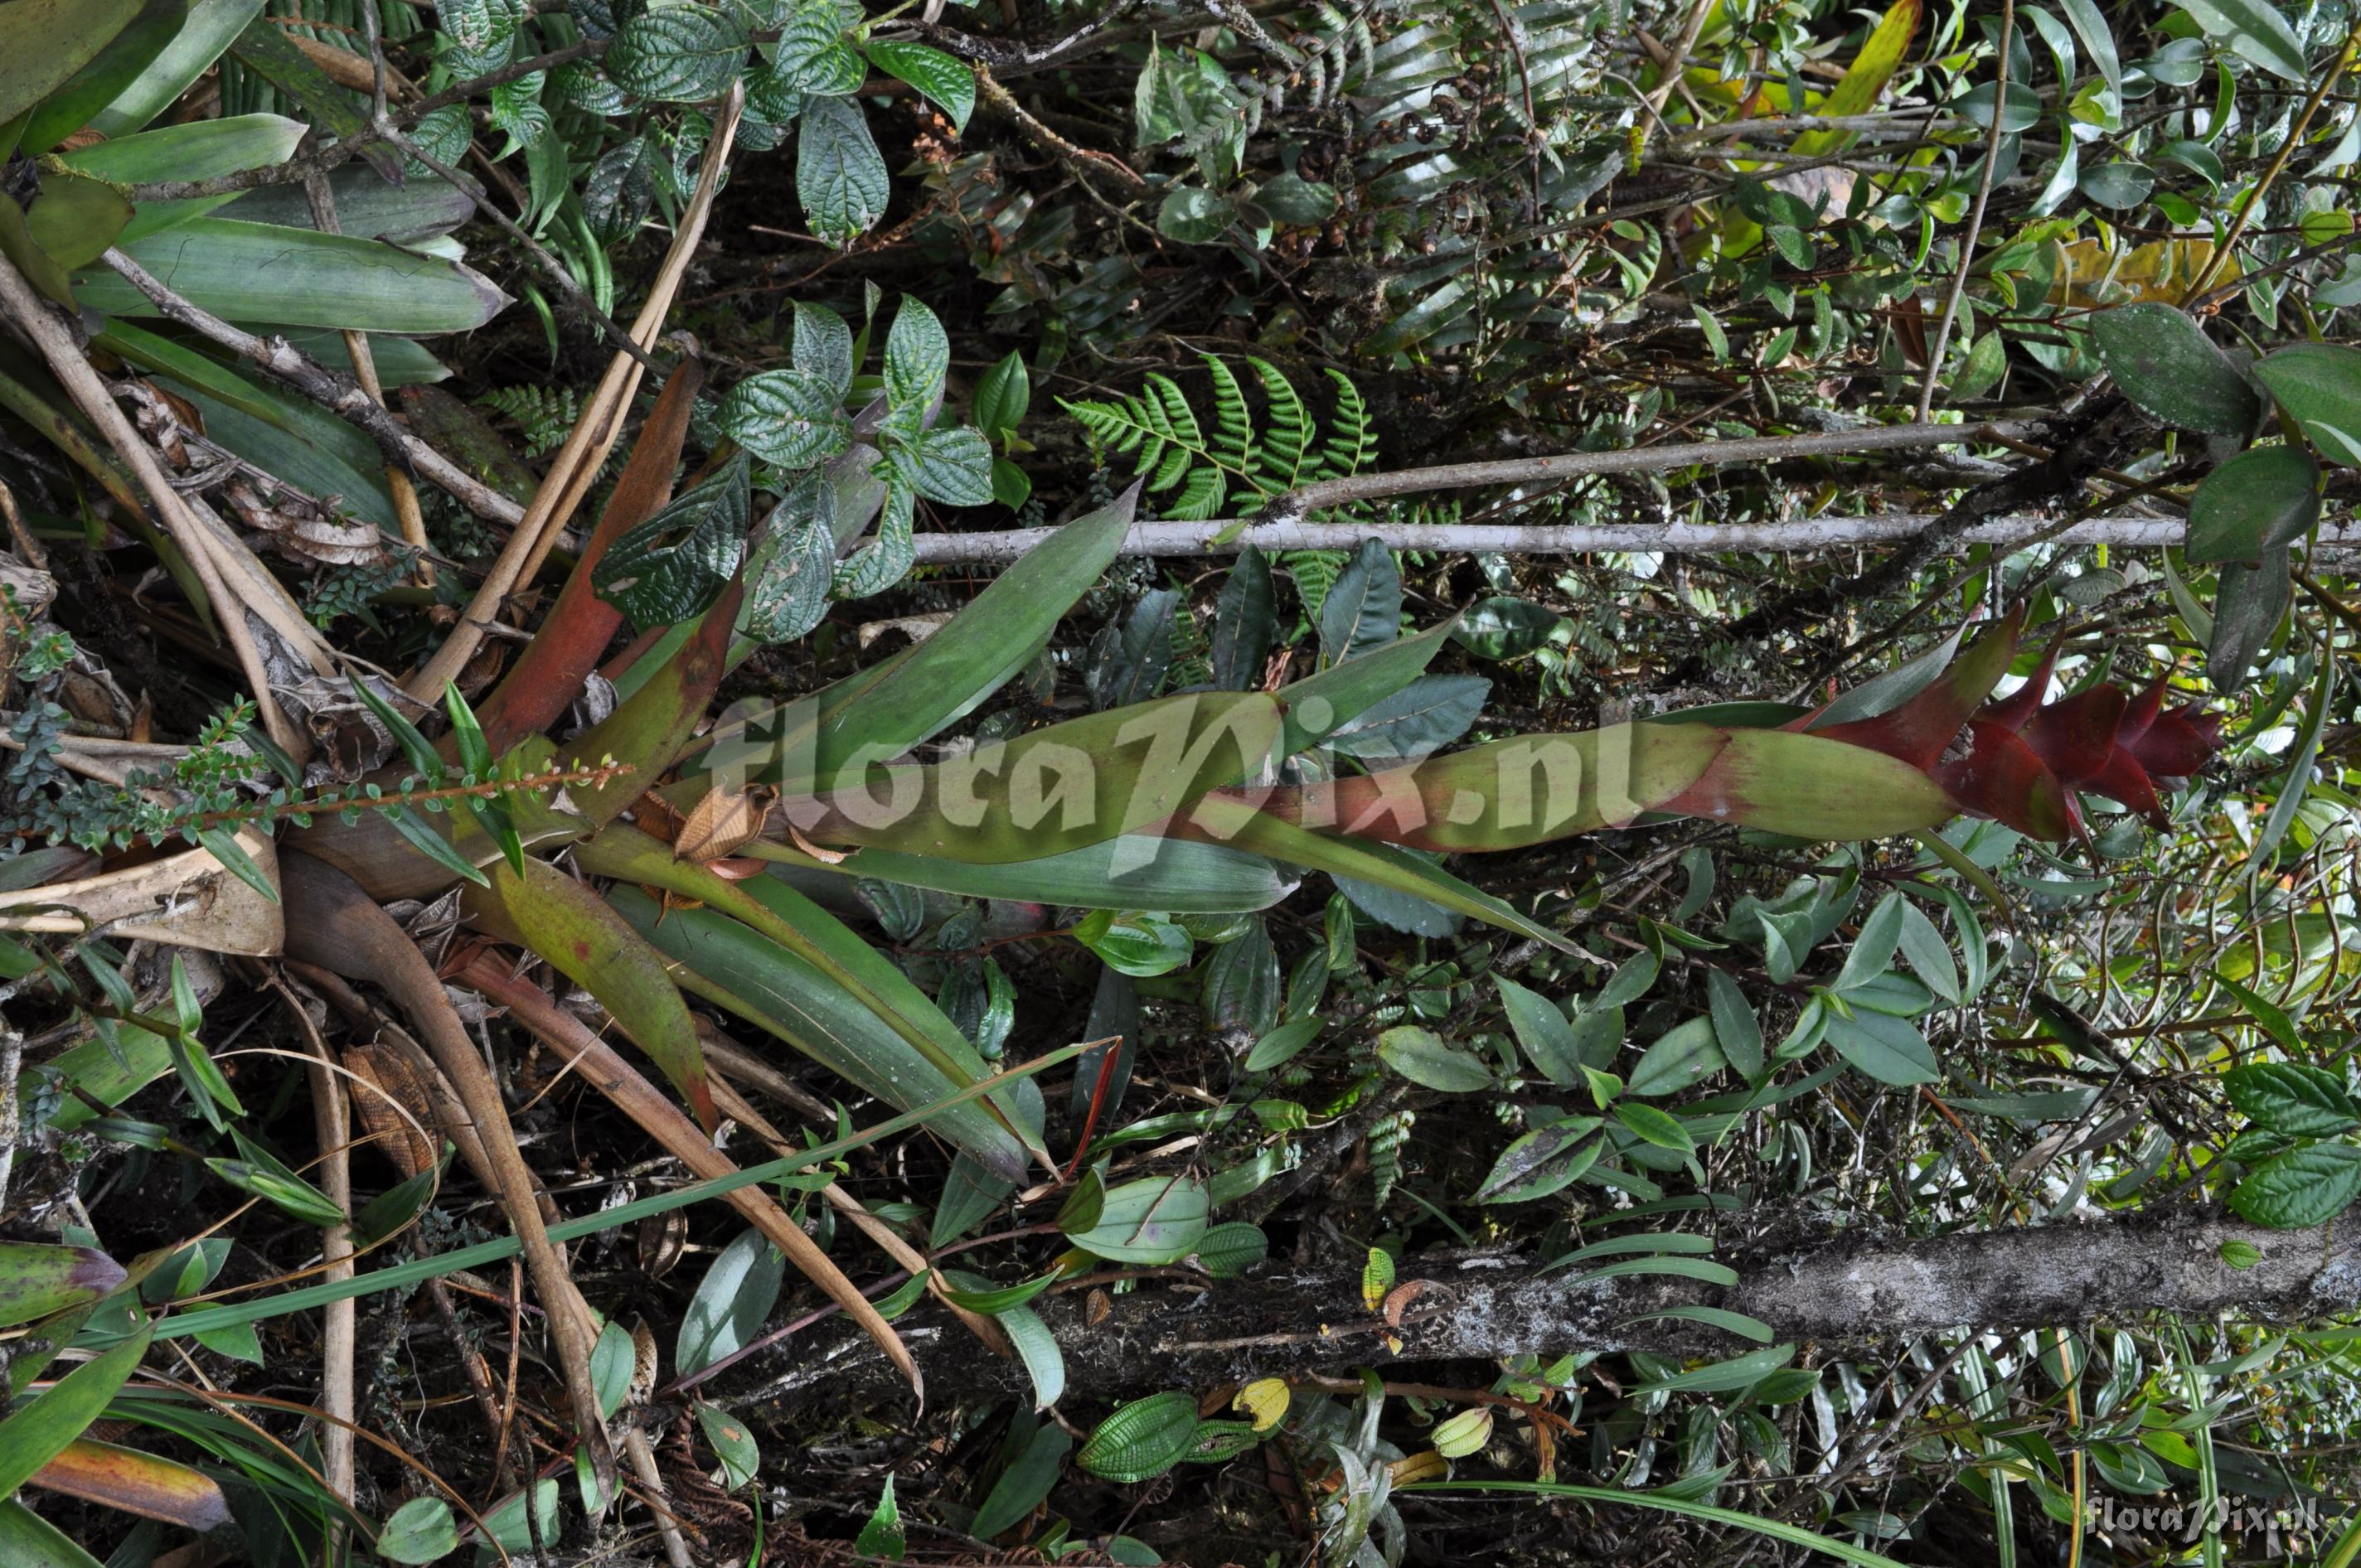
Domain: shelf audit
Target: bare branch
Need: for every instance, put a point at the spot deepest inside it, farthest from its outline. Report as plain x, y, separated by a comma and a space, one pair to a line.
1297, 504
1809, 534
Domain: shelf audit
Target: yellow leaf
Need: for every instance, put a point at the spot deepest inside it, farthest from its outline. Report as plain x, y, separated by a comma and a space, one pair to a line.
1465, 1433
1376, 1279
1865, 80
1415, 1467
1265, 1401
2090, 273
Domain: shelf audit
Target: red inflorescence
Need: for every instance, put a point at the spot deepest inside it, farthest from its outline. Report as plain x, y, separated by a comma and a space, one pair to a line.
2022, 760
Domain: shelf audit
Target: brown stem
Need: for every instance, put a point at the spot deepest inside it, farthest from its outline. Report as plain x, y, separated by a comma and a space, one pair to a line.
210, 557
603, 1070
332, 923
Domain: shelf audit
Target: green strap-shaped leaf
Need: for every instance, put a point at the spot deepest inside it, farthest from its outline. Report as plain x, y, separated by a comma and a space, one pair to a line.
981, 648
565, 923
271, 273
33, 1436
1177, 876
1225, 819
1058, 789
796, 971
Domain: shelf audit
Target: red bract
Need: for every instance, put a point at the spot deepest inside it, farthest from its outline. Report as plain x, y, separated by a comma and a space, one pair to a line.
2021, 760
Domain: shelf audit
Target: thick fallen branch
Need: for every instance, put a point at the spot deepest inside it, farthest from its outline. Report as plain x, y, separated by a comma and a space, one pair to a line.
1582, 539
1847, 1290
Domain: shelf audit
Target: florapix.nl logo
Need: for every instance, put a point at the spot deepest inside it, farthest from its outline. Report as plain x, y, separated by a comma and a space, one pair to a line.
2272, 1526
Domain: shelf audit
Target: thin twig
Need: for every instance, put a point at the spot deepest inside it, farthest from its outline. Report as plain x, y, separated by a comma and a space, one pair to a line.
332, 1126
406, 514
656, 1115
1300, 503
332, 923
576, 465
341, 395
2294, 139
1077, 158
338, 153
1677, 63
549, 266
1975, 219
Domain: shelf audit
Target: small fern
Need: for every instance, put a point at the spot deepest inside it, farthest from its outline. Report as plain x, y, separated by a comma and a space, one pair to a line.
1195, 472
1387, 1135
544, 415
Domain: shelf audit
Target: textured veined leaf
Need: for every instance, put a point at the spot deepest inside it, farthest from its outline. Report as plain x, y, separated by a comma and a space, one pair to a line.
790, 419
840, 174
954, 467
823, 345
790, 594
1465, 1433
2293, 1098
917, 353
678, 54
673, 567
1141, 1440
813, 54
2303, 1187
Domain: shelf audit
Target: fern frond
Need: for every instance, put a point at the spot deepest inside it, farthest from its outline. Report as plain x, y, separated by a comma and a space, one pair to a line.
1387, 1135
1234, 463
1200, 498
1278, 464
545, 415
1351, 442
1232, 443
1314, 572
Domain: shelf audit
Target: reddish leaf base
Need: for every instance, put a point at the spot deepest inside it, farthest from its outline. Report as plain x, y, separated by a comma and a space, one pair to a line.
2021, 760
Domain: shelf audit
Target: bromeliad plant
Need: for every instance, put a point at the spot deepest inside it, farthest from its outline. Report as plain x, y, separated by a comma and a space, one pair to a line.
1205, 799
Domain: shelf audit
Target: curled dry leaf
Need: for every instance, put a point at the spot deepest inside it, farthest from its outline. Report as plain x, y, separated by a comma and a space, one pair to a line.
139, 1484
1399, 1298
385, 1078
304, 529
720, 823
